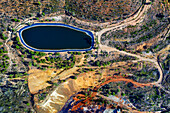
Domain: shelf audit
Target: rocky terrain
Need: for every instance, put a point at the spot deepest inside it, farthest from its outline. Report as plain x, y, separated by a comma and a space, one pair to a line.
127, 70
143, 37
102, 10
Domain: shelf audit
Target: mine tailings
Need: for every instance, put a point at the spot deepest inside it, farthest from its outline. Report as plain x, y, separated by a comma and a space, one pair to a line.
57, 99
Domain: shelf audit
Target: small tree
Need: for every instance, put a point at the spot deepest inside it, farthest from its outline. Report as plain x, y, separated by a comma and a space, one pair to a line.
15, 19
43, 14
39, 3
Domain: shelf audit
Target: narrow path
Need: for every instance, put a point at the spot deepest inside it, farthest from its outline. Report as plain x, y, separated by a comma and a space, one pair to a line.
118, 101
55, 101
159, 85
9, 52
25, 21
47, 105
130, 21
108, 49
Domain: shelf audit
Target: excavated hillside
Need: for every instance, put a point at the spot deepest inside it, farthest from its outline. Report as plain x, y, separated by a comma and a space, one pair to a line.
57, 99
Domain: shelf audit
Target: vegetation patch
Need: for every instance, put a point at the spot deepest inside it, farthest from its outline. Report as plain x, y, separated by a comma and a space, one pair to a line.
101, 10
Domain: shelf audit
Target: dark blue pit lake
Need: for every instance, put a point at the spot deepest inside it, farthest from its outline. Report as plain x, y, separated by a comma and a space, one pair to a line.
56, 37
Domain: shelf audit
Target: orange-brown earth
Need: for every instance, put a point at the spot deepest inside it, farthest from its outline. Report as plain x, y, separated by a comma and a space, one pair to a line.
37, 80
57, 99
108, 80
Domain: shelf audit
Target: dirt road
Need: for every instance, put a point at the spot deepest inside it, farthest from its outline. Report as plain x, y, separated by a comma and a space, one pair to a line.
108, 49
138, 17
130, 21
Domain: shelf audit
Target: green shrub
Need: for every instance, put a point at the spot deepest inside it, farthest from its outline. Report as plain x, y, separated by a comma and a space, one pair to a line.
17, 46
17, 38
15, 19
11, 75
5, 38
75, 77
1, 43
28, 104
43, 14
39, 3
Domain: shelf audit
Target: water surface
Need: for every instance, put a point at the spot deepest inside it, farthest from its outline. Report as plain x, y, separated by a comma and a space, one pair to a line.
54, 37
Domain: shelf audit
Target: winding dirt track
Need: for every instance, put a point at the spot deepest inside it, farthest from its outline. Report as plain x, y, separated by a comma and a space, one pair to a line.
53, 102
130, 21
138, 17
108, 49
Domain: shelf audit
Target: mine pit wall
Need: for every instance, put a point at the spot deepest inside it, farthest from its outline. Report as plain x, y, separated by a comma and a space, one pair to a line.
57, 99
